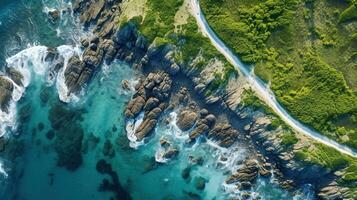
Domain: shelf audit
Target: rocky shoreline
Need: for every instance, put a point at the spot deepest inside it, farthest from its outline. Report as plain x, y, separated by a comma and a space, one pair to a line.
166, 85
153, 96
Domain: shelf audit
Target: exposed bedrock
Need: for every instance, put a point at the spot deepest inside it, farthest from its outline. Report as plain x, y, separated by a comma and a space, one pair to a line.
186, 119
6, 89
151, 98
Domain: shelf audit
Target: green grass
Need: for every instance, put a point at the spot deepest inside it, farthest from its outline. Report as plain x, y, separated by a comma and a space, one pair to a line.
324, 156
349, 14
289, 139
306, 54
159, 19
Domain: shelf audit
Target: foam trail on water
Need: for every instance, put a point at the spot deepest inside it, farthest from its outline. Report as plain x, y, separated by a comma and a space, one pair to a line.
8, 119
2, 170
175, 130
31, 63
28, 61
159, 155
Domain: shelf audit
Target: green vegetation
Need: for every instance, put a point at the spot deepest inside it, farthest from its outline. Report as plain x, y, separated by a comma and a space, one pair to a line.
331, 159
159, 19
247, 30
306, 49
350, 13
289, 139
324, 156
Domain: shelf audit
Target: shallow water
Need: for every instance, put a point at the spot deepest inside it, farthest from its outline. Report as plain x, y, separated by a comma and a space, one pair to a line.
31, 165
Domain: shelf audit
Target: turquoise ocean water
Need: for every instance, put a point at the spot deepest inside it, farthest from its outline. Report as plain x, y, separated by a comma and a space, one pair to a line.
31, 167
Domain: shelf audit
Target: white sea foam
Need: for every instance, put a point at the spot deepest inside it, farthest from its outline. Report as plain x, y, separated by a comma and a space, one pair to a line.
174, 130
31, 64
28, 61
66, 52
131, 126
159, 155
2, 170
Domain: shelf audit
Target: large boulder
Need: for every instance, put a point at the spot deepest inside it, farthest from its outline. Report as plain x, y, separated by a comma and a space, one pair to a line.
72, 73
15, 75
6, 89
145, 128
134, 107
186, 120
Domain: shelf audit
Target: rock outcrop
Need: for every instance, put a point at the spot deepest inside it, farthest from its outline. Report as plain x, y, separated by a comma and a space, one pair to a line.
186, 120
333, 192
151, 98
6, 89
224, 133
248, 173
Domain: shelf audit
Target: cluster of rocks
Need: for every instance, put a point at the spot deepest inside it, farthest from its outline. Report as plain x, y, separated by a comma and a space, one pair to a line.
205, 124
7, 87
292, 171
79, 71
169, 150
246, 176
334, 191
151, 98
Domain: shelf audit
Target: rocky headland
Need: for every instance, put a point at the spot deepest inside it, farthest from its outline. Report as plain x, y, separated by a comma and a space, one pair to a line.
167, 84
219, 115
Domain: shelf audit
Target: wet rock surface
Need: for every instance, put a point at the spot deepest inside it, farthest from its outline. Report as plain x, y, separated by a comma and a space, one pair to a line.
247, 173
151, 98
6, 89
186, 120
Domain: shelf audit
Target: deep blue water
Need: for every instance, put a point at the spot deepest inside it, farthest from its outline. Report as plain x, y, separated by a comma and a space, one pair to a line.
33, 173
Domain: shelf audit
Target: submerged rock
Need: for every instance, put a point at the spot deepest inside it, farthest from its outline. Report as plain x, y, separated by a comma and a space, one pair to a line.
54, 15
69, 136
108, 149
50, 135
200, 183
114, 185
2, 144
186, 173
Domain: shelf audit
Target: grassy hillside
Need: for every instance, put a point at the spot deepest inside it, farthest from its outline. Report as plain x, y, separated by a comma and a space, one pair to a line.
307, 49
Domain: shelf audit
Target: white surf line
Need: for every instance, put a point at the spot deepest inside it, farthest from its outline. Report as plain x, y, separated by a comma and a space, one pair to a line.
260, 88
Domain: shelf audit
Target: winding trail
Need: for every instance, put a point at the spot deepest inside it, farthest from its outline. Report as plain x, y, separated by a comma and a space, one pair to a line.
260, 88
